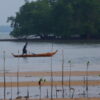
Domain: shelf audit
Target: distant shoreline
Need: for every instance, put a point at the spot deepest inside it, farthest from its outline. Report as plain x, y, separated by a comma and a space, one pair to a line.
56, 40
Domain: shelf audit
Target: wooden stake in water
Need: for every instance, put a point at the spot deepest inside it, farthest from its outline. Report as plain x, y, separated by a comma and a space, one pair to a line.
47, 94
69, 78
40, 82
87, 78
62, 74
84, 84
4, 76
51, 81
18, 77
27, 93
51, 76
40, 87
11, 89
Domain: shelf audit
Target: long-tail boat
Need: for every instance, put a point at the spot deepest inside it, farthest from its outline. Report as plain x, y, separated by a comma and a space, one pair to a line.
48, 54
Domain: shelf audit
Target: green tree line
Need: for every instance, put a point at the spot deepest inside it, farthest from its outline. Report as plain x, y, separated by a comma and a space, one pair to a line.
61, 19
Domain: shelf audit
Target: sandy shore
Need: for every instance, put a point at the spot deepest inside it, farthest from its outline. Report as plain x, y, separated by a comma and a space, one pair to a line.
70, 99
55, 83
48, 83
58, 73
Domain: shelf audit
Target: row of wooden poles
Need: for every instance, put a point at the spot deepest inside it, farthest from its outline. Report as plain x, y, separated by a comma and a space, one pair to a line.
41, 81
70, 88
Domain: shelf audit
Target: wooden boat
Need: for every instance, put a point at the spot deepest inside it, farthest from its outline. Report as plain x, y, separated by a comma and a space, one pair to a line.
48, 54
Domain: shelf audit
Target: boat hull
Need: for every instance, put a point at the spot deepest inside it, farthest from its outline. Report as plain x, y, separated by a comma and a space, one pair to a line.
48, 54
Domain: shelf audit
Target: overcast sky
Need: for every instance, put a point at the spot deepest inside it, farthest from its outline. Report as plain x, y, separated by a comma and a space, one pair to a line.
9, 8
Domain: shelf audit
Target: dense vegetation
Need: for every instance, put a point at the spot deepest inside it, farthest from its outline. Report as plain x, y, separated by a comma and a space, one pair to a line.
63, 19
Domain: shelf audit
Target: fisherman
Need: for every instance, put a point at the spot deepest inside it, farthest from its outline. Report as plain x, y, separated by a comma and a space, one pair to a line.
24, 49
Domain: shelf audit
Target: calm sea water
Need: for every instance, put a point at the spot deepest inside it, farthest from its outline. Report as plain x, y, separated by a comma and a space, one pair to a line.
78, 54
5, 35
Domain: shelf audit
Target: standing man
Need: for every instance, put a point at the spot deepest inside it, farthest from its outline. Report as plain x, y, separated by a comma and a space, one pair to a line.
24, 49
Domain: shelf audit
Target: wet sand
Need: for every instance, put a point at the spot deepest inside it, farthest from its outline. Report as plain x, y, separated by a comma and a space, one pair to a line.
69, 99
55, 83
58, 73
59, 99
48, 83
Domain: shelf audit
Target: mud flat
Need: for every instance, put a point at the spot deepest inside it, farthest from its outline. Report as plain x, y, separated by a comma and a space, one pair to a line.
70, 99
58, 73
48, 83
58, 99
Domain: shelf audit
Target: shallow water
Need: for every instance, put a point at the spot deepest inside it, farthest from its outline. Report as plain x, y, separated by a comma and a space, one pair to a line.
79, 54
